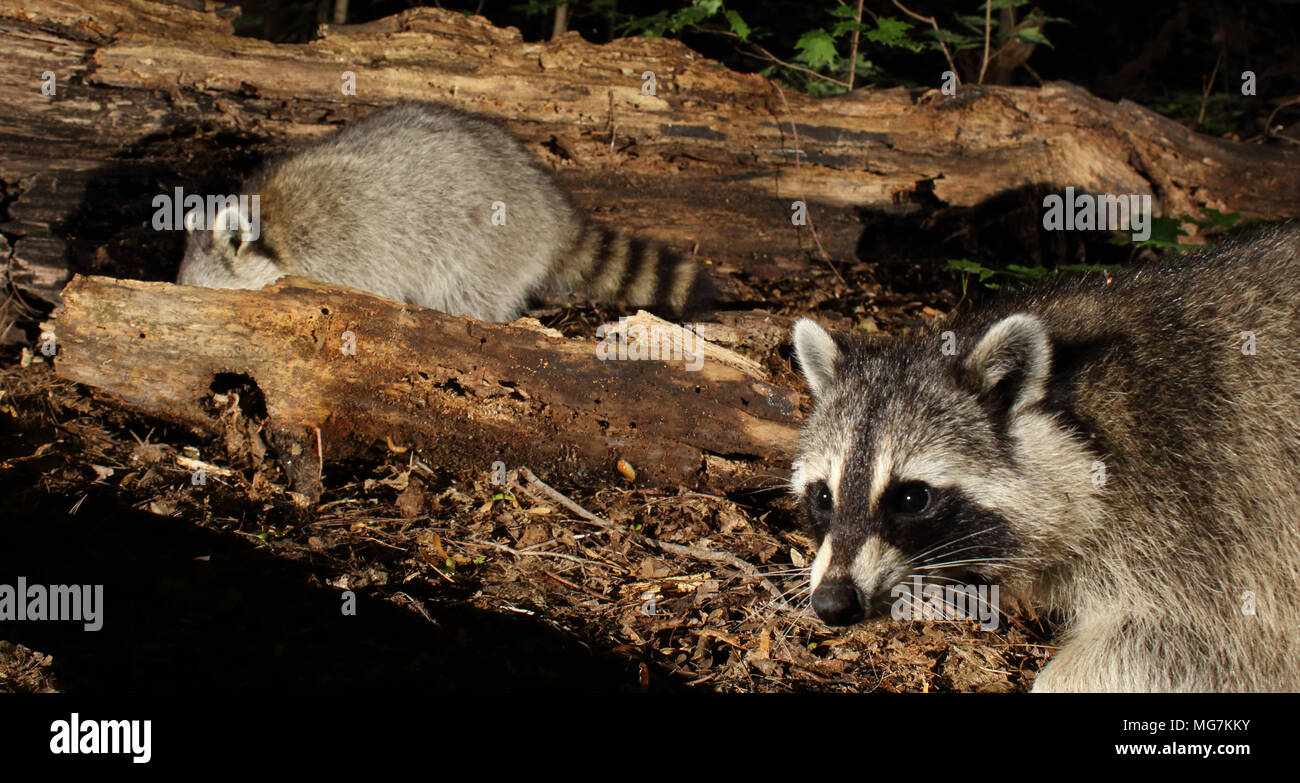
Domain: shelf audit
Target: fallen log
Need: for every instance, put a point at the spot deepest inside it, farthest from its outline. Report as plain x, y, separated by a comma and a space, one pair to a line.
337, 373
150, 96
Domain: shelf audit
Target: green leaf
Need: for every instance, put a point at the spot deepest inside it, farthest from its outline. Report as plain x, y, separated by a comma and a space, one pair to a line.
816, 48
738, 25
1214, 217
950, 37
1165, 233
965, 265
893, 32
652, 26
1033, 35
851, 25
968, 267
1030, 272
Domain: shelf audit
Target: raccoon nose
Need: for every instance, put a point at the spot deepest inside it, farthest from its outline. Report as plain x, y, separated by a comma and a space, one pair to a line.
838, 604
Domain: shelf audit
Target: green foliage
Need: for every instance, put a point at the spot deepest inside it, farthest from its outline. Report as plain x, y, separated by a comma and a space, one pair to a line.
823, 60
690, 17
1017, 275
1225, 113
1166, 232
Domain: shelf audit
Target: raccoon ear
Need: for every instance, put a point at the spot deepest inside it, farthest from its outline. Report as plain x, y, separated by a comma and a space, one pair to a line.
231, 226
817, 354
1011, 362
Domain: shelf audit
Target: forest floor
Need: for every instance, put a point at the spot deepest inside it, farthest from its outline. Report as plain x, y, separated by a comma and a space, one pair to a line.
459, 583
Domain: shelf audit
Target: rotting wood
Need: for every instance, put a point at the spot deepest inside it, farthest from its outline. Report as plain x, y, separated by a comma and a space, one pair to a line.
354, 373
152, 95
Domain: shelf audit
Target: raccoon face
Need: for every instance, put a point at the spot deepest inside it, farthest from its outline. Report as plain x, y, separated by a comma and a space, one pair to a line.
919, 464
226, 254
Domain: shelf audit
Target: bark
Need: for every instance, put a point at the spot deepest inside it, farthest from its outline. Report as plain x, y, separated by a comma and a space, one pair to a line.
151, 96
464, 393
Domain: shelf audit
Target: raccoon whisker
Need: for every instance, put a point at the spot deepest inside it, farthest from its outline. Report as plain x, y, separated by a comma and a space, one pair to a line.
973, 547
784, 571
977, 596
971, 561
788, 597
943, 544
784, 599
924, 577
919, 602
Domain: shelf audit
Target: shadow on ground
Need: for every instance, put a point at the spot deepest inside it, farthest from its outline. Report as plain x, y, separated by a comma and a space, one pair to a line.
189, 609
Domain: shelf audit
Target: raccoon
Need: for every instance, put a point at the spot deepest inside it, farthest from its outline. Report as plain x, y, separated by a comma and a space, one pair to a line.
428, 205
1125, 450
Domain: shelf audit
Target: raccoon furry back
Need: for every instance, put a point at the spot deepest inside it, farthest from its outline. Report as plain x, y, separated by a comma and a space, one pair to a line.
426, 204
1126, 451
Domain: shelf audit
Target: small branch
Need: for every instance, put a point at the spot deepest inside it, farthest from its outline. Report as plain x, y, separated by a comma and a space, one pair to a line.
560, 555
853, 53
561, 21
1209, 85
808, 213
764, 54
935, 25
1268, 124
988, 34
538, 488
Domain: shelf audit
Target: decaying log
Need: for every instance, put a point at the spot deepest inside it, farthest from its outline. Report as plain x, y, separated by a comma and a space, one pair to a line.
359, 372
151, 96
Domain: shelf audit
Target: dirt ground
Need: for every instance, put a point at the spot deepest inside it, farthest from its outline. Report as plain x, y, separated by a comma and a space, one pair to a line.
460, 583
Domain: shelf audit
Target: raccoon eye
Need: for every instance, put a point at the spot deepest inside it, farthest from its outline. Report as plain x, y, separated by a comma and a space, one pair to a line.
821, 506
910, 498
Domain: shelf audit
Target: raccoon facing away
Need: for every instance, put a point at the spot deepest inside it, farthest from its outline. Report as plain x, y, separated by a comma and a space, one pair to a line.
1125, 451
428, 205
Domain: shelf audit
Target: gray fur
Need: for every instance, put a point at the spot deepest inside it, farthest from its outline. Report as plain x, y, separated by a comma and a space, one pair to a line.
1145, 375
400, 204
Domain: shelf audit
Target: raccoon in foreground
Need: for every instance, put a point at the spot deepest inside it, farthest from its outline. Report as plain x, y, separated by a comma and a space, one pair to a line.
428, 205
1126, 451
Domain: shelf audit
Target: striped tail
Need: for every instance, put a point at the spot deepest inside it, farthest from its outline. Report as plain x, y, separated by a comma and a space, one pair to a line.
611, 268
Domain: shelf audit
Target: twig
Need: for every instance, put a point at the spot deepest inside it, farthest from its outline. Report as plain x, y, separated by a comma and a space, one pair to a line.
1209, 85
988, 33
853, 53
766, 55
577, 587
320, 454
802, 196
536, 485
935, 25
560, 555
1268, 124
191, 464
